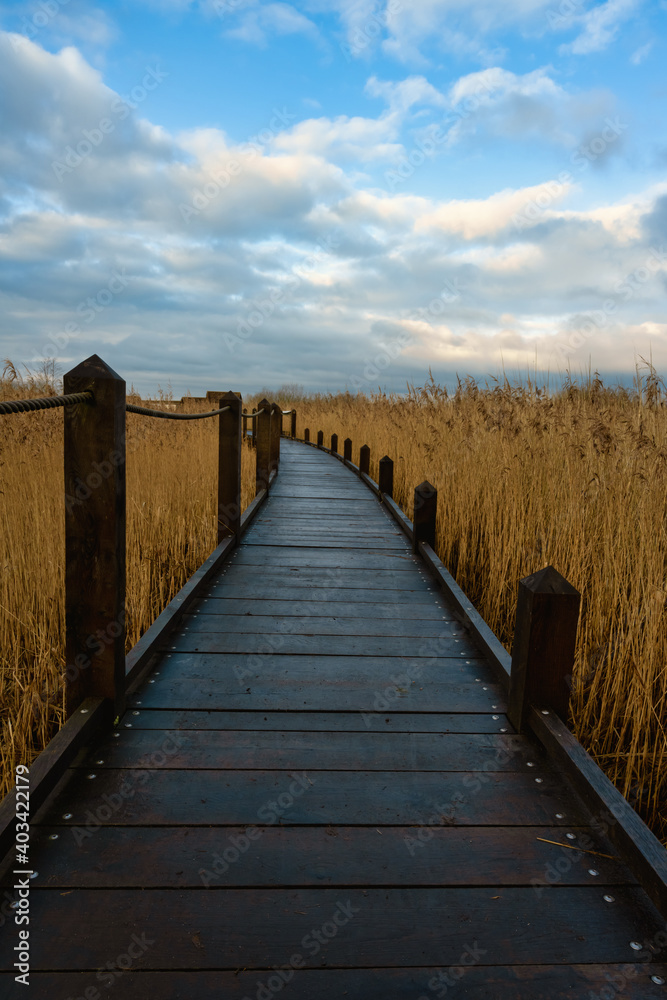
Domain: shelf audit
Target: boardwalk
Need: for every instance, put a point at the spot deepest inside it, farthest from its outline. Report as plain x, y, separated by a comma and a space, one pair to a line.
317, 794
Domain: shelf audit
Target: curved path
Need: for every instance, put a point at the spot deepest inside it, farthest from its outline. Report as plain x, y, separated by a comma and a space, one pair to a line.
317, 794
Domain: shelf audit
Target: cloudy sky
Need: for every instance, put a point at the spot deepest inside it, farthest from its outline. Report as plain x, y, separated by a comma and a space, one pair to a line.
240, 193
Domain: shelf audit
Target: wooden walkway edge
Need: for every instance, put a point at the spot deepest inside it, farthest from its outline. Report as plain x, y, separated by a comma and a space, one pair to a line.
315, 792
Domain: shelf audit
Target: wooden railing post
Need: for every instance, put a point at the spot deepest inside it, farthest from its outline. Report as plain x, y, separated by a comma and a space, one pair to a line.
320, 439
365, 459
245, 423
423, 520
334, 444
347, 449
230, 437
94, 448
276, 432
293, 424
545, 636
386, 476
263, 445
306, 434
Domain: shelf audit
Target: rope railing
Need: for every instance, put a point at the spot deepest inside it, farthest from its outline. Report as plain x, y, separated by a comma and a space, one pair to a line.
164, 415
94, 452
45, 403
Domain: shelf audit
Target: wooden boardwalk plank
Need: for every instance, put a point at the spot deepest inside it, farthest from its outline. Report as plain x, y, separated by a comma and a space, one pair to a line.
480, 982
164, 797
348, 722
171, 857
233, 928
338, 751
321, 750
285, 606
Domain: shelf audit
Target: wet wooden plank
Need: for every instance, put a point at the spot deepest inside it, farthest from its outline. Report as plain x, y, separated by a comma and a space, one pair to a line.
523, 982
285, 605
233, 928
193, 641
360, 559
403, 601
344, 798
401, 722
273, 665
385, 584
339, 751
181, 857
262, 622
197, 688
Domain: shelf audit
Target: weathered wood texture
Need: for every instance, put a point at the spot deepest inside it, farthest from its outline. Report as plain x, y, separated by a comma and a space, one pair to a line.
544, 643
319, 775
229, 466
94, 452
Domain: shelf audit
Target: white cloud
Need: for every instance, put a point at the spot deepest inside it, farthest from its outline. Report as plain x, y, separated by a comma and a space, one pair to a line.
259, 23
600, 26
289, 230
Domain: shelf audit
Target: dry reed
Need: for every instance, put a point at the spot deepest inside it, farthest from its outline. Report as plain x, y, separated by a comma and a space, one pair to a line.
575, 478
171, 529
526, 478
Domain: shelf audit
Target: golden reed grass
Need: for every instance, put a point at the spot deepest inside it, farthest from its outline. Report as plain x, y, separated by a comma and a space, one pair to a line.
171, 529
576, 479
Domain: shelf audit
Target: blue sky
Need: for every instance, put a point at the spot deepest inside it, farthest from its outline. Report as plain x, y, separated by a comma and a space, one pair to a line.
242, 193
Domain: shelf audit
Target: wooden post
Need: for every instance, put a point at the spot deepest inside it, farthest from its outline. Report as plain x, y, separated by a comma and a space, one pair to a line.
365, 459
263, 445
347, 449
94, 447
245, 423
386, 476
334, 444
545, 636
293, 424
423, 520
306, 434
276, 432
320, 439
229, 466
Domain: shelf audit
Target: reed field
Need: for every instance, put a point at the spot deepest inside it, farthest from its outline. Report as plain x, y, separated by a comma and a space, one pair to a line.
575, 477
171, 530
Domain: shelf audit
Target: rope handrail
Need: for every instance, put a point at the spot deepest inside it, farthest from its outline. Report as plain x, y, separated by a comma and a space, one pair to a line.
162, 414
288, 413
45, 402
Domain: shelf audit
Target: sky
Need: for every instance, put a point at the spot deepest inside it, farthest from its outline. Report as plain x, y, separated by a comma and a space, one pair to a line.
339, 195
